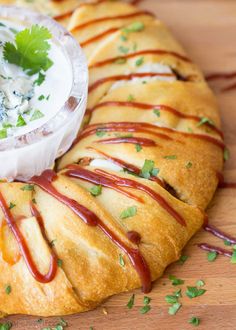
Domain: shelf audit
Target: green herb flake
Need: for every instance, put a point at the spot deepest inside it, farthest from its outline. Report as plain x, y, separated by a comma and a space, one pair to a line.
146, 300
41, 97
129, 212
20, 121
145, 309
96, 190
130, 303
100, 133
59, 262
195, 321
123, 49
123, 38
139, 61
8, 289
130, 98
189, 165
200, 283
3, 134
148, 169
28, 187
36, 115
193, 292
138, 147
211, 256
233, 258
226, 242
120, 60
11, 206
134, 27
170, 157
157, 112
121, 260
2, 25
226, 154
5, 326
183, 259
30, 50
52, 243
205, 120
171, 299
175, 280
40, 79
7, 125
174, 308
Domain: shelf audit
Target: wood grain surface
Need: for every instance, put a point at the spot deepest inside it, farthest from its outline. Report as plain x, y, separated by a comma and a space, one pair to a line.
207, 29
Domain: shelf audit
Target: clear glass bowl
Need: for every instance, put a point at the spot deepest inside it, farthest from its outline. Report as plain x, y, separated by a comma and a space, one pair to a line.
23, 156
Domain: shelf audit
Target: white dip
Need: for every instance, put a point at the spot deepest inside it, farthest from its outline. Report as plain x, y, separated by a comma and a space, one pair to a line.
26, 104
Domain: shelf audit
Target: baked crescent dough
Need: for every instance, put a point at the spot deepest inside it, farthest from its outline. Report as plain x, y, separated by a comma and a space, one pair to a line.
132, 189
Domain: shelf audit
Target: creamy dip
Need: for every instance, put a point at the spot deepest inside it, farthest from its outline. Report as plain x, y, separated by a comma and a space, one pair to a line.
28, 102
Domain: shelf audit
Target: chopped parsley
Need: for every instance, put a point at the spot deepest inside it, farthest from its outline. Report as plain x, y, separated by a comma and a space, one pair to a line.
30, 50
96, 190
133, 27
121, 260
123, 49
5, 326
100, 132
157, 112
182, 259
8, 289
193, 292
59, 262
146, 300
148, 169
138, 147
226, 154
145, 309
233, 258
36, 115
205, 120
28, 187
195, 321
226, 242
130, 98
174, 308
200, 283
40, 79
129, 212
139, 61
211, 256
20, 121
41, 97
130, 303
189, 165
11, 206
175, 280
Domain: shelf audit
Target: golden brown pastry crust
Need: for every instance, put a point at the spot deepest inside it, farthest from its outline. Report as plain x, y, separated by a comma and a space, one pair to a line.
132, 118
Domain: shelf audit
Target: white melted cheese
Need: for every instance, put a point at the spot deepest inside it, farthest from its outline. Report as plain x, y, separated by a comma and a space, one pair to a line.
25, 106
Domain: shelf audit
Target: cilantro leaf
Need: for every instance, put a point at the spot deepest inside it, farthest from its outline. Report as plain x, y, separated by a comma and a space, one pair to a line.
130, 303
174, 308
129, 212
195, 321
96, 190
193, 292
211, 256
175, 280
121, 260
145, 309
148, 169
30, 50
5, 326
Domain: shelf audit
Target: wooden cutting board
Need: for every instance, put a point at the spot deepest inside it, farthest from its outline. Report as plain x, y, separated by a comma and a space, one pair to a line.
207, 29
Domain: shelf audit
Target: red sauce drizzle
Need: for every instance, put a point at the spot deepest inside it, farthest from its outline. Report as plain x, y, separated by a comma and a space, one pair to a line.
218, 233
127, 77
218, 250
111, 180
98, 37
110, 18
129, 167
140, 53
224, 185
145, 128
134, 237
223, 76
161, 107
45, 182
24, 250
132, 140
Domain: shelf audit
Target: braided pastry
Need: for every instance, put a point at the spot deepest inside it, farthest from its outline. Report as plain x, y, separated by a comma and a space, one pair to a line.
132, 189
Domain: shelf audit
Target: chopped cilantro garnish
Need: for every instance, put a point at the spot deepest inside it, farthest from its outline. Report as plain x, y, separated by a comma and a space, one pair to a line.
171, 299
211, 256
182, 259
100, 133
138, 147
41, 97
20, 121
130, 303
139, 61
200, 283
146, 300
121, 60
7, 125
148, 169
193, 292
233, 258
170, 157
40, 79
130, 98
59, 262
36, 115
5, 326
96, 190
175, 280
145, 309
123, 49
121, 260
226, 242
11, 206
157, 112
28, 187
174, 308
3, 133
205, 120
194, 321
8, 289
129, 212
189, 165
30, 50
133, 27
226, 154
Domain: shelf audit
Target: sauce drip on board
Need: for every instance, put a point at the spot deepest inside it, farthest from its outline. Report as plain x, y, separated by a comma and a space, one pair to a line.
223, 76
24, 250
45, 182
111, 180
218, 250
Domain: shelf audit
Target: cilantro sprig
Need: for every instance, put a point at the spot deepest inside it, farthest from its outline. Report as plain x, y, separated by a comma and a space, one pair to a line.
30, 50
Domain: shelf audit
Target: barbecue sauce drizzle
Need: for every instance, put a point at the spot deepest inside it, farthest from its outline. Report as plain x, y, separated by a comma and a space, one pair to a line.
24, 250
45, 182
111, 180
223, 76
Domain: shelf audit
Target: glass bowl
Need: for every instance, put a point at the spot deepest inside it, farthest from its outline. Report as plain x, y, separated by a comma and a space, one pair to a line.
23, 156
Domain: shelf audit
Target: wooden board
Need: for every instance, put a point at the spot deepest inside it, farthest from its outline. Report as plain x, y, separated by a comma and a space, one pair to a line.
207, 29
